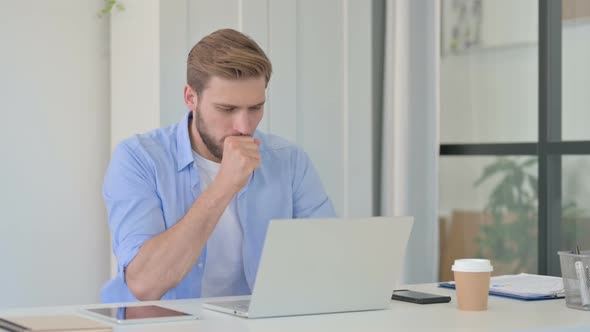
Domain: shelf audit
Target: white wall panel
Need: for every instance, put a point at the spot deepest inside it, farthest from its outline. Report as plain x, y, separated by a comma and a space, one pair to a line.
359, 98
54, 141
282, 118
135, 69
206, 16
319, 87
173, 50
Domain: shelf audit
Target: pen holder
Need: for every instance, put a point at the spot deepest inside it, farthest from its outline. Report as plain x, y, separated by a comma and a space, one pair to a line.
575, 271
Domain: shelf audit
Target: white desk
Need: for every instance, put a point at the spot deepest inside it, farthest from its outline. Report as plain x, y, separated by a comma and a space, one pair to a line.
502, 315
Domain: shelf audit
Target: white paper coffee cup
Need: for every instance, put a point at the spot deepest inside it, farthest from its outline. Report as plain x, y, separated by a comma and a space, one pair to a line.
472, 282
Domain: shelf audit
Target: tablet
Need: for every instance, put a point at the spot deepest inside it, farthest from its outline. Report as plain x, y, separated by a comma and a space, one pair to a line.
139, 314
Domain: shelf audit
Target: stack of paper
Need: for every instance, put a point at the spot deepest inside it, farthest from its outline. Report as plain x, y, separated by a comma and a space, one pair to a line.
524, 286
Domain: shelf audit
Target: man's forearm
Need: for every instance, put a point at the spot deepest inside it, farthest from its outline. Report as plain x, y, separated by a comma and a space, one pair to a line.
164, 260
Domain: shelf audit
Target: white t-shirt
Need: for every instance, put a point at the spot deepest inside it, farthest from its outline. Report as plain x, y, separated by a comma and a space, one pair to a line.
224, 268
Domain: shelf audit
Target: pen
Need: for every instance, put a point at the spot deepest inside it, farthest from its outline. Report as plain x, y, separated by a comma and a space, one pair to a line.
584, 282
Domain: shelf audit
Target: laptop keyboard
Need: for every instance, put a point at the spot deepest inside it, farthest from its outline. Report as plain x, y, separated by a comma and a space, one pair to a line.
238, 305
241, 305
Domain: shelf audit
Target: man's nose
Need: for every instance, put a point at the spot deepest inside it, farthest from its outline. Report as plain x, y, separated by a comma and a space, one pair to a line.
242, 123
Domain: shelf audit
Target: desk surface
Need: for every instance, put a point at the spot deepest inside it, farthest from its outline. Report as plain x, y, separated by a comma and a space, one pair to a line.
502, 315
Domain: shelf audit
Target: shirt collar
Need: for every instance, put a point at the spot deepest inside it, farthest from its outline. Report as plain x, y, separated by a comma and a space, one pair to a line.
184, 151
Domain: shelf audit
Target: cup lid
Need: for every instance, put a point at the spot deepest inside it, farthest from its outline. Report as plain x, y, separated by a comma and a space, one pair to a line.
472, 265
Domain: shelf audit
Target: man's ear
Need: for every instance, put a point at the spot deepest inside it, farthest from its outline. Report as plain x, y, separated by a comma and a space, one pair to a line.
190, 97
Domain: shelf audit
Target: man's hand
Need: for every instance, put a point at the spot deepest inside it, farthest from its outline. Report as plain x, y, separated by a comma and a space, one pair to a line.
240, 158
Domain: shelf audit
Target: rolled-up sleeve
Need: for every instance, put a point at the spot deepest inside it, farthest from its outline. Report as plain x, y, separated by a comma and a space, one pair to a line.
309, 198
134, 208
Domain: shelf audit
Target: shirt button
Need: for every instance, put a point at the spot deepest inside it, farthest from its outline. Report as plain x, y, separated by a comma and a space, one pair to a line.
200, 265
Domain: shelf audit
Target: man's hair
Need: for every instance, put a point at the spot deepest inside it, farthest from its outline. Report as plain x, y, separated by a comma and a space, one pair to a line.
226, 53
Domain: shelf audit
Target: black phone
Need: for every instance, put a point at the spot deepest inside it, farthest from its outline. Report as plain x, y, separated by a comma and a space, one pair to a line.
418, 297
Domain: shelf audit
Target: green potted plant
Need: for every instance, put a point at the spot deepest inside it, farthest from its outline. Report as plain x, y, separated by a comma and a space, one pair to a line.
510, 238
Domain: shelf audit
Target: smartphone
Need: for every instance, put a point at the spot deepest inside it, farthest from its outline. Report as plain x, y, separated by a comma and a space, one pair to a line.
419, 297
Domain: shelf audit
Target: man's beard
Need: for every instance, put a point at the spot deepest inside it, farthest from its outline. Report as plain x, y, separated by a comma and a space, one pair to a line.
208, 140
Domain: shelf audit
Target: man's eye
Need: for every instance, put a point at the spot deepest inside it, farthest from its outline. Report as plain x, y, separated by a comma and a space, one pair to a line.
257, 108
225, 109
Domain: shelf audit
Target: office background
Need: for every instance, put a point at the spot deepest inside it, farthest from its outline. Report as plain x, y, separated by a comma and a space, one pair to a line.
73, 85
513, 101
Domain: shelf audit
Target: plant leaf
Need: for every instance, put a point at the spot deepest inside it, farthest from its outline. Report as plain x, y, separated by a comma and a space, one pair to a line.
529, 162
501, 164
534, 185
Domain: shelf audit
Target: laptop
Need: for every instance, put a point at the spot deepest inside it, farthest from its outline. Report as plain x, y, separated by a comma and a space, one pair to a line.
315, 266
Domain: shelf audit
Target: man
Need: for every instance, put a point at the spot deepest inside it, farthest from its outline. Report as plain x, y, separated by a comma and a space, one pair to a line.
189, 205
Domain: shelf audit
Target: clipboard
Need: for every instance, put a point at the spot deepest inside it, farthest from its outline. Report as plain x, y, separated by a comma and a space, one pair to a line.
529, 297
523, 286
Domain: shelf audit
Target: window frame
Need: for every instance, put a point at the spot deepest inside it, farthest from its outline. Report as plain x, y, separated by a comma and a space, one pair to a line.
549, 147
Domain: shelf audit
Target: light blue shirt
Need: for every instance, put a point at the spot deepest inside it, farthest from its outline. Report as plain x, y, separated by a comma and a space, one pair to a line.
152, 181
